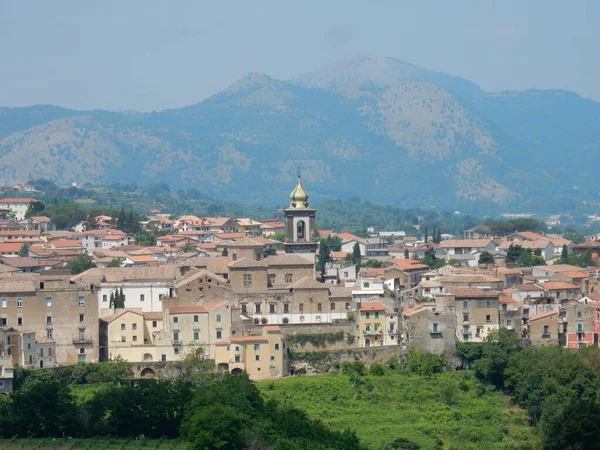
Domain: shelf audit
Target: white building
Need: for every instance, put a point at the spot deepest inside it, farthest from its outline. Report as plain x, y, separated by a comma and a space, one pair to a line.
17, 206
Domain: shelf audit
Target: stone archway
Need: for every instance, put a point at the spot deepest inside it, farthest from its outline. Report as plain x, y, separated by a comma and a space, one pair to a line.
367, 342
147, 373
237, 371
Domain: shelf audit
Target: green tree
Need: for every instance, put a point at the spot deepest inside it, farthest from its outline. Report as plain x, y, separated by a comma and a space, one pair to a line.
425, 234
323, 258
225, 252
278, 236
571, 425
564, 255
189, 248
270, 252
121, 303
113, 303
24, 250
486, 257
431, 260
513, 253
406, 255
80, 264
334, 243
145, 238
501, 345
115, 262
356, 256
34, 209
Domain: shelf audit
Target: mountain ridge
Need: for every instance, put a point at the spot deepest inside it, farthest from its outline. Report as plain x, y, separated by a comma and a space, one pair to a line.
372, 126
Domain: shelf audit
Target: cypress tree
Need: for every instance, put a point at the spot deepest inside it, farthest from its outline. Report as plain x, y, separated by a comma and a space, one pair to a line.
564, 255
112, 301
356, 256
121, 298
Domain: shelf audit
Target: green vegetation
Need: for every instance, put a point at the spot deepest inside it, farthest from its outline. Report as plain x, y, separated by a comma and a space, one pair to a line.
524, 257
506, 227
486, 258
449, 410
81, 264
316, 339
559, 388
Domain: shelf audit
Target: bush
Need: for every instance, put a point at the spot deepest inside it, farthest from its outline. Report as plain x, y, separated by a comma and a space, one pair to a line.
353, 367
376, 369
424, 363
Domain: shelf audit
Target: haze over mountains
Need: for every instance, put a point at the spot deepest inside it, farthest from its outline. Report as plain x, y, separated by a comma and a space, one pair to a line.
373, 127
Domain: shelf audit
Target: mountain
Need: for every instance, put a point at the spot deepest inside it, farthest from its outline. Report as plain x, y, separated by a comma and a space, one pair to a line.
373, 127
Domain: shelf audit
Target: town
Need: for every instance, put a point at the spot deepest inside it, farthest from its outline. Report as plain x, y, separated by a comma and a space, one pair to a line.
245, 294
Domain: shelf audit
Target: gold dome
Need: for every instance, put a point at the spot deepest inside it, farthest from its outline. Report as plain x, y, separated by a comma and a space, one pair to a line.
299, 197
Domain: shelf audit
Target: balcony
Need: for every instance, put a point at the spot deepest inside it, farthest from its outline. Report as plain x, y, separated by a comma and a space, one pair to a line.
373, 332
82, 339
176, 342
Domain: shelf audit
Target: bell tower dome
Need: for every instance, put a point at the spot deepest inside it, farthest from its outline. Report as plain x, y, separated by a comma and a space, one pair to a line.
300, 228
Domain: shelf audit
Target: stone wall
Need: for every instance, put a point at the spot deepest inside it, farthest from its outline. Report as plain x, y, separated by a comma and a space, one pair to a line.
331, 361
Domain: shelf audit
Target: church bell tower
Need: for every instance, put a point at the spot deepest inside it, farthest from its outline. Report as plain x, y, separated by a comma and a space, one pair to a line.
300, 229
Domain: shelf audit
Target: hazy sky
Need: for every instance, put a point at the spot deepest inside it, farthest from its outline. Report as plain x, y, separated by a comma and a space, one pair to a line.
151, 55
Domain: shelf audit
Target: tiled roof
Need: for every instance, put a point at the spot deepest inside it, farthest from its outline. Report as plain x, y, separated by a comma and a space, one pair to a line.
287, 260
246, 263
337, 291
558, 285
245, 242
413, 310
18, 200
467, 292
308, 283
372, 306
121, 313
190, 309
409, 264
16, 285
543, 315
505, 299
465, 243
588, 244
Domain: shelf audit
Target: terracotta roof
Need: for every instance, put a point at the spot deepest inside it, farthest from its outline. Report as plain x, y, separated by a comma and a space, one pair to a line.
558, 285
595, 297
347, 236
287, 260
505, 299
121, 313
198, 273
339, 255
106, 232
537, 244
20, 233
337, 291
525, 287
409, 264
231, 236
574, 274
20, 262
246, 262
248, 339
325, 233
543, 315
10, 248
115, 237
273, 328
245, 242
466, 292
530, 235
190, 309
469, 278
63, 244
413, 310
372, 306
142, 259
18, 200
559, 242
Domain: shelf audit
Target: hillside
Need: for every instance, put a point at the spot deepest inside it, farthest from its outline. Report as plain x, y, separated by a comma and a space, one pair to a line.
448, 411
373, 127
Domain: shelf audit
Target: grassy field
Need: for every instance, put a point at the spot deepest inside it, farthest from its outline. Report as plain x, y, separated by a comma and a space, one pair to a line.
96, 444
448, 411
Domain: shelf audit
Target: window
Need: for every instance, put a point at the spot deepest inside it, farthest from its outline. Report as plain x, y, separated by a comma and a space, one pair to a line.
377, 315
134, 338
142, 298
195, 319
271, 279
465, 304
81, 301
19, 302
376, 327
257, 357
175, 319
367, 327
289, 277
4, 305
29, 346
580, 328
219, 334
237, 358
123, 339
247, 280
3, 321
176, 336
367, 284
256, 347
547, 330
257, 308
488, 318
509, 323
465, 337
276, 346
104, 298
271, 307
49, 334
133, 326
272, 358
244, 308
163, 357
488, 303
48, 302
48, 320
30, 359
218, 317
154, 324
286, 308
579, 314
345, 274
82, 318
367, 315
196, 335
465, 317
20, 321
436, 328
301, 307
319, 307
332, 306
123, 327
300, 230
504, 307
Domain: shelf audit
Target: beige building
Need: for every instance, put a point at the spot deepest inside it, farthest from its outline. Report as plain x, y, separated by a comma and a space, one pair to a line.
261, 357
57, 310
140, 336
376, 327
543, 328
249, 226
477, 313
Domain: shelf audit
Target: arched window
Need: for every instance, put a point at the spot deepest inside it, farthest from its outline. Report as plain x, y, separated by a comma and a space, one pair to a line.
271, 279
82, 350
264, 321
147, 357
256, 321
289, 277
286, 320
301, 230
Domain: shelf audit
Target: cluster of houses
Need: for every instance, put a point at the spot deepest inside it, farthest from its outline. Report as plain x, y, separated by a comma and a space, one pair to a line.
221, 289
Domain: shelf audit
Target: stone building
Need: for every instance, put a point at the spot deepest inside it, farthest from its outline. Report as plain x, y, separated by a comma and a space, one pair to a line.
300, 227
477, 313
56, 309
